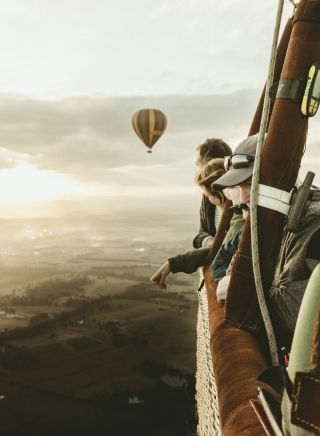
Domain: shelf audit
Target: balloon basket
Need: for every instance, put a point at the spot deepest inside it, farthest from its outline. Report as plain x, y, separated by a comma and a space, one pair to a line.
149, 151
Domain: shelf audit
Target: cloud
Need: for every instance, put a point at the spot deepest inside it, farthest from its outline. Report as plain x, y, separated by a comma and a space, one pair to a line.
85, 135
90, 139
123, 48
9, 159
164, 9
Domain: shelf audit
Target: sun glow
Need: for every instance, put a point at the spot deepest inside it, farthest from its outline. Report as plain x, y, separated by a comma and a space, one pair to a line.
25, 183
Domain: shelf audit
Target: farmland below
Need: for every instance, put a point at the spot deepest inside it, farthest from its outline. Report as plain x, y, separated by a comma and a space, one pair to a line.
87, 344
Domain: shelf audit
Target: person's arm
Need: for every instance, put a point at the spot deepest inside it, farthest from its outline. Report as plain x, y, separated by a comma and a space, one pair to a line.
187, 263
207, 241
190, 261
207, 227
159, 277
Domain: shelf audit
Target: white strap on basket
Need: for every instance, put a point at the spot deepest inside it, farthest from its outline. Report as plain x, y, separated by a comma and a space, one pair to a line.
275, 199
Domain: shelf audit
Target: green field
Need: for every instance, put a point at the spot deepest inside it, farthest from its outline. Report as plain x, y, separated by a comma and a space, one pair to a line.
74, 369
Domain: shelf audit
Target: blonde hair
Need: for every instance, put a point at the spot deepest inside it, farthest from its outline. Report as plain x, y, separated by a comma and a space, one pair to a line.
208, 174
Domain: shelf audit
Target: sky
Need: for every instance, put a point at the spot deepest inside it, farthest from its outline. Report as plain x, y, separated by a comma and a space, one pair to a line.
73, 72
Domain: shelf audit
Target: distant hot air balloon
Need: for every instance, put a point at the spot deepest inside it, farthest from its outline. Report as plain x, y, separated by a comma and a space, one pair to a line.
149, 125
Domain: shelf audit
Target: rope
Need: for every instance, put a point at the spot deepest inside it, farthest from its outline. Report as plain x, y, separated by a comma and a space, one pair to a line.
254, 195
206, 391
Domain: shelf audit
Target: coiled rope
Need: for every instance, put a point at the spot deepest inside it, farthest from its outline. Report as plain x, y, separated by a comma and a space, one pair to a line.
254, 194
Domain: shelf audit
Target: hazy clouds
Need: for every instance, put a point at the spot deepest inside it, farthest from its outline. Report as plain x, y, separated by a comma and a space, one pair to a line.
59, 48
91, 137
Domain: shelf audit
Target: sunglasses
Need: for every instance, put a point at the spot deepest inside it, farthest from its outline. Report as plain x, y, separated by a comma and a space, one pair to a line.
237, 161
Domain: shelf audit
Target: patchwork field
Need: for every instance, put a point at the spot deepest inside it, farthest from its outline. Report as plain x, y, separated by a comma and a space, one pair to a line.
109, 351
90, 346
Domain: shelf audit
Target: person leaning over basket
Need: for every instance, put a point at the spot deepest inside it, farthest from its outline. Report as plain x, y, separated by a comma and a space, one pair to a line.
210, 214
299, 252
189, 262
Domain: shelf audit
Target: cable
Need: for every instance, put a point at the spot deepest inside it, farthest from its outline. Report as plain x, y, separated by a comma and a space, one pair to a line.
254, 195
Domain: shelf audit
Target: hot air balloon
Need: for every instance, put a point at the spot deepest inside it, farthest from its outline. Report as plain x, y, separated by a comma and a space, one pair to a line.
149, 125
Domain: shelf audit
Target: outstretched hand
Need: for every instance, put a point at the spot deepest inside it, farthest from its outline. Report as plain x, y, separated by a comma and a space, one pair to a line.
159, 277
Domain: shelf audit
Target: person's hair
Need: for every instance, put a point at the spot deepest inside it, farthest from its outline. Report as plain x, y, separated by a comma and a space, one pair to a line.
208, 174
213, 148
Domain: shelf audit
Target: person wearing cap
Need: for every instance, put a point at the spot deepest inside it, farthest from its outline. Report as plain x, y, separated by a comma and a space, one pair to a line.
212, 148
222, 263
189, 262
299, 252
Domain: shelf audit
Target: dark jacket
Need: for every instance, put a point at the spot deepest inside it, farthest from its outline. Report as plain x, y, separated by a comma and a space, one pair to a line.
223, 258
299, 255
189, 262
207, 225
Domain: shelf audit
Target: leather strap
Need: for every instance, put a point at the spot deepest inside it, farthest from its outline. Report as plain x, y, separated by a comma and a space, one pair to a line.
288, 88
306, 401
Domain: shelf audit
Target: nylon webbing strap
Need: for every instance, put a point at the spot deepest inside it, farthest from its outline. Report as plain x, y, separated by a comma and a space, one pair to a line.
288, 88
273, 198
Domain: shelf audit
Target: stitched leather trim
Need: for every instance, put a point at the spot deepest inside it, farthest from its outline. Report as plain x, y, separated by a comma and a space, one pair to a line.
306, 388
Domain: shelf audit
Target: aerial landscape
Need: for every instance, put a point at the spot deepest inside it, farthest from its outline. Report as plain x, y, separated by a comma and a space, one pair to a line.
107, 112
88, 344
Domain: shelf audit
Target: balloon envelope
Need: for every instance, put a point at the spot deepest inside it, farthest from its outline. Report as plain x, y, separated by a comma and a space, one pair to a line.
149, 125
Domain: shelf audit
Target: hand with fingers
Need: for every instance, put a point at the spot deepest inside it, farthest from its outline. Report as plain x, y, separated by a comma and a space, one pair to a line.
159, 277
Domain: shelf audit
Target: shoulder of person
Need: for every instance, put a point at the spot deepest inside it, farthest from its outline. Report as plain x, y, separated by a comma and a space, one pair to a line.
206, 203
236, 224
